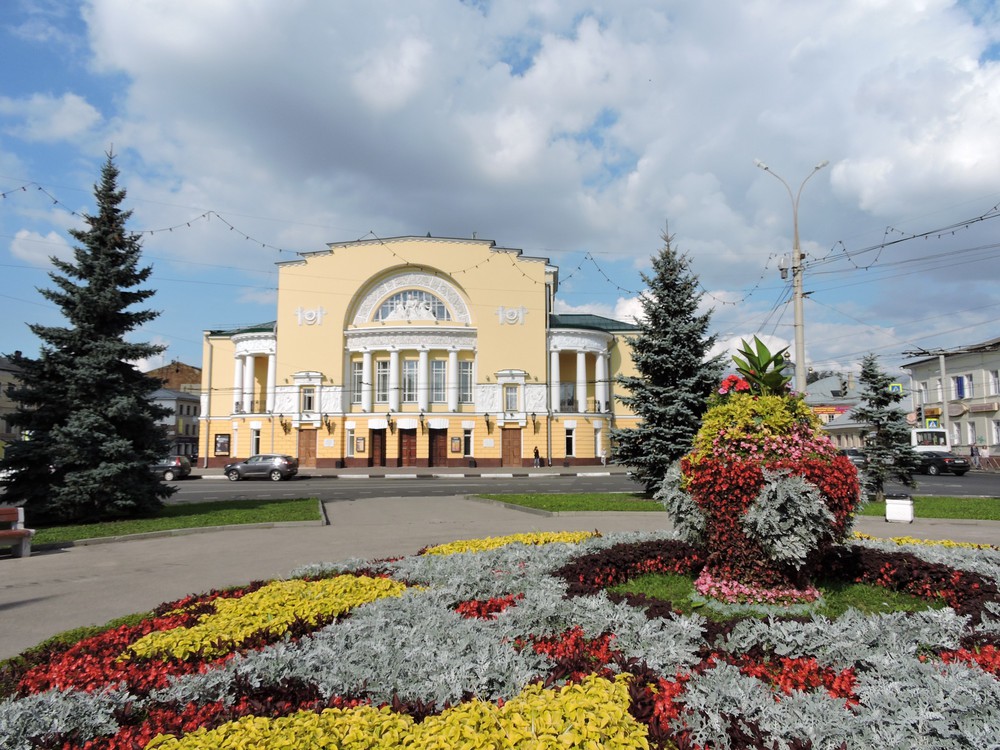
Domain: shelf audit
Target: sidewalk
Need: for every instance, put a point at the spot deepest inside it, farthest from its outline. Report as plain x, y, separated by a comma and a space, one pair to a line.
435, 472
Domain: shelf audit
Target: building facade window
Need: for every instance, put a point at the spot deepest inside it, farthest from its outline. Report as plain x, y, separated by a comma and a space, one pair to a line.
570, 441
409, 381
465, 382
958, 386
357, 381
254, 442
349, 442
971, 431
956, 433
308, 398
995, 382
567, 397
996, 432
510, 398
412, 303
438, 380
382, 381
467, 442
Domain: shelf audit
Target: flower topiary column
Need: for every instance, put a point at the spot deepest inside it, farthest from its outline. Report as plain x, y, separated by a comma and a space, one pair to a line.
763, 490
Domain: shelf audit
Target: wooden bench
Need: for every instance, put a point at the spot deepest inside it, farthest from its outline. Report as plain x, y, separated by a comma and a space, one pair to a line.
13, 533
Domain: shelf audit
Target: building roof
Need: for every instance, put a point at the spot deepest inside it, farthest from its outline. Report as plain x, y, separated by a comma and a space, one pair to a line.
986, 346
590, 322
832, 390
168, 394
258, 328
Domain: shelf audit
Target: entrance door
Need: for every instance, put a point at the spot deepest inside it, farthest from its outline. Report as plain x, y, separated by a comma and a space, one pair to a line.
438, 448
408, 447
307, 449
376, 456
511, 450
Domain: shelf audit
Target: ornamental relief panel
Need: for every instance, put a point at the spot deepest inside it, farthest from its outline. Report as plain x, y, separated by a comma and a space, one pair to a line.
416, 338
578, 341
487, 398
255, 344
413, 280
535, 397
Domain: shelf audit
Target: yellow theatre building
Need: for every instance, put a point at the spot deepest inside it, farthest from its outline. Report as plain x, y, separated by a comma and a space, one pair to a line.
415, 351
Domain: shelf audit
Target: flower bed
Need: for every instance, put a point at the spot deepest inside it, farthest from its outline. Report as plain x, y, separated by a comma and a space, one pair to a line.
516, 643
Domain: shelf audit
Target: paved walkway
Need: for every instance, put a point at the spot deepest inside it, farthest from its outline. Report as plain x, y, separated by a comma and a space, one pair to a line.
55, 590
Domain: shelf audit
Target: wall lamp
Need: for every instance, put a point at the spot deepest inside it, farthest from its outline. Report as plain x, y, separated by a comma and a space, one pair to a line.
534, 419
389, 422
329, 424
422, 420
285, 423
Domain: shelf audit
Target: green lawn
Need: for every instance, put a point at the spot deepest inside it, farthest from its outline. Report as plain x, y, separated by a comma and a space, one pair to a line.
837, 597
189, 516
974, 508
623, 501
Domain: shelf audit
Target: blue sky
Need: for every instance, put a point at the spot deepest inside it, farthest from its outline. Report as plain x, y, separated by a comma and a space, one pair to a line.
249, 131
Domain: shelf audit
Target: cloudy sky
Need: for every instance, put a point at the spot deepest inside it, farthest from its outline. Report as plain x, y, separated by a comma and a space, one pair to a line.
249, 130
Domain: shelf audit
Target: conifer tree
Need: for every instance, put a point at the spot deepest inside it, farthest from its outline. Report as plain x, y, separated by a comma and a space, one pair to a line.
887, 447
85, 410
675, 378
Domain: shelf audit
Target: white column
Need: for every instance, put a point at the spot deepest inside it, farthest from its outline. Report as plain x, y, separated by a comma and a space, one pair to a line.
248, 383
581, 381
272, 379
366, 381
347, 397
238, 384
601, 375
423, 381
452, 380
393, 380
554, 384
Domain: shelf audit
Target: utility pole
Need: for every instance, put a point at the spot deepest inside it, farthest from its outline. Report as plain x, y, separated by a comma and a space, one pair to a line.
797, 258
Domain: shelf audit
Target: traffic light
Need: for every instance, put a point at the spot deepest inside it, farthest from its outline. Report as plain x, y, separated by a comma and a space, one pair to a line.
920, 415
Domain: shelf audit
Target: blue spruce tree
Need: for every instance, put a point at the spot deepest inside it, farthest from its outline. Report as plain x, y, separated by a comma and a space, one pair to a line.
90, 426
676, 376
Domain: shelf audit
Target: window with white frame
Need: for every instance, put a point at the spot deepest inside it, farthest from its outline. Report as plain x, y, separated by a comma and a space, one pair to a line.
570, 441
307, 398
409, 380
438, 380
467, 442
357, 381
255, 442
996, 432
349, 442
567, 396
970, 390
956, 433
971, 432
510, 398
382, 381
958, 386
465, 382
995, 382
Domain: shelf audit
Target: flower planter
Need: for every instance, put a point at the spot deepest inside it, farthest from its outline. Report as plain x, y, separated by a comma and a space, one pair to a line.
899, 508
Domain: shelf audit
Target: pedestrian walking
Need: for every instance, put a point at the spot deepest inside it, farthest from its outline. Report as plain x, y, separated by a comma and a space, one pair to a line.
974, 452
538, 459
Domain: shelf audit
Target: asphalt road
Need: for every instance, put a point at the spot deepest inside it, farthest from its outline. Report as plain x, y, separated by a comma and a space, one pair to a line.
328, 489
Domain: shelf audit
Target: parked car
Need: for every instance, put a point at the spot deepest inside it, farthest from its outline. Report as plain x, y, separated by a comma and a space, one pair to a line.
273, 466
172, 467
855, 455
939, 462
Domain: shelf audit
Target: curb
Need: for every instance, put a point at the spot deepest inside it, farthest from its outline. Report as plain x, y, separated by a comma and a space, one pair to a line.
441, 475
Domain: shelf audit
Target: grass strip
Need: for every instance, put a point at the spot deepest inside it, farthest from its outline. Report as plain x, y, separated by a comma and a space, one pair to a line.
581, 501
838, 597
189, 516
971, 508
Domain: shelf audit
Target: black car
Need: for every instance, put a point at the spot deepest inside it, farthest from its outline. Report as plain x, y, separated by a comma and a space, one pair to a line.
940, 462
273, 466
855, 455
172, 467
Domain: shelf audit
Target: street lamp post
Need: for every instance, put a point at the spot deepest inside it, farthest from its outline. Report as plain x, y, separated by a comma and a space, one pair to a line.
797, 258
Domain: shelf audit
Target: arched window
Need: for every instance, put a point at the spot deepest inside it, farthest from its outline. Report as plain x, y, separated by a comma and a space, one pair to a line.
412, 304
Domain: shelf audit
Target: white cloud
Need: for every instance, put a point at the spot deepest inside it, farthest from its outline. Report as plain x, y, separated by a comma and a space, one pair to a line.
36, 249
43, 117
